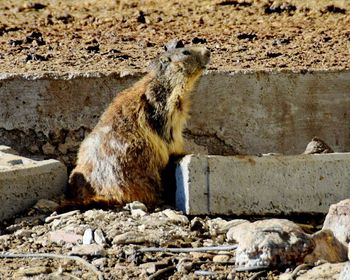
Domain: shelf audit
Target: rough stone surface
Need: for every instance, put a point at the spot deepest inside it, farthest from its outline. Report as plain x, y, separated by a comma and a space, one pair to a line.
255, 185
270, 243
259, 112
327, 248
338, 220
23, 182
345, 273
325, 271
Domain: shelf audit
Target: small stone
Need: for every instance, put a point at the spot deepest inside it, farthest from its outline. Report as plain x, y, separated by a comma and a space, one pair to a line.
317, 146
48, 149
135, 205
184, 265
23, 233
31, 271
220, 226
136, 213
46, 206
88, 250
87, 237
175, 217
101, 262
324, 271
221, 258
99, 237
61, 235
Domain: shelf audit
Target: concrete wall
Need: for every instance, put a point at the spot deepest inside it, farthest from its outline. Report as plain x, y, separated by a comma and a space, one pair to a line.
236, 112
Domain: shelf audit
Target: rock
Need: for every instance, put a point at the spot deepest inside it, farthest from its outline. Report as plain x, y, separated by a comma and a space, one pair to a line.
184, 265
61, 235
148, 236
345, 273
88, 250
31, 271
88, 237
272, 243
327, 248
136, 213
175, 216
46, 206
221, 258
101, 262
317, 146
220, 226
23, 233
197, 224
99, 237
338, 220
135, 205
325, 271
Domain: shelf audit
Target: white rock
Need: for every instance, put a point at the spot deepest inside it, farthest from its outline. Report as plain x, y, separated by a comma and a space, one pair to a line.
99, 237
135, 205
88, 236
273, 242
175, 217
136, 213
220, 226
345, 273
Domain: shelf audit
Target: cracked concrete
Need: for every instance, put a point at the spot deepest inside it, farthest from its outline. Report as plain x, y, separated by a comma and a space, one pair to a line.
239, 112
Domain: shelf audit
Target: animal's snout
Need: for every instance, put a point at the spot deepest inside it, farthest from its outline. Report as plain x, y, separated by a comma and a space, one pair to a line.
205, 53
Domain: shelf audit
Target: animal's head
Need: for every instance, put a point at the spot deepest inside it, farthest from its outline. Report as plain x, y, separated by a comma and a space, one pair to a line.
180, 64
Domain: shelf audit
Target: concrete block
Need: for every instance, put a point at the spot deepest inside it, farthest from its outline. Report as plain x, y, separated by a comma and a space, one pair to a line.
234, 112
24, 181
251, 185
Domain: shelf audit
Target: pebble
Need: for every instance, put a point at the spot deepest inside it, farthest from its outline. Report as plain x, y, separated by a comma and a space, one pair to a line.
99, 237
88, 237
135, 213
175, 217
135, 205
61, 235
88, 250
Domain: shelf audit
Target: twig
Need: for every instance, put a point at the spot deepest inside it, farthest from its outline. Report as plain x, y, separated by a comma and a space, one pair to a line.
297, 269
71, 213
189, 250
49, 255
256, 275
161, 271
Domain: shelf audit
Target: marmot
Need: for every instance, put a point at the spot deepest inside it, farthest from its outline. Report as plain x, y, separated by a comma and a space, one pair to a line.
123, 157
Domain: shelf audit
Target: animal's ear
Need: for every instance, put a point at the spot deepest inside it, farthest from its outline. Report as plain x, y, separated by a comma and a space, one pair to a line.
174, 44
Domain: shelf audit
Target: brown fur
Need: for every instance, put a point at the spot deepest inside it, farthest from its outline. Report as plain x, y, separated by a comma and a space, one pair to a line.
123, 158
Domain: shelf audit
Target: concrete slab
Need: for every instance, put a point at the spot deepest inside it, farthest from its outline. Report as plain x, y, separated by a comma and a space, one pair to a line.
244, 112
251, 185
24, 181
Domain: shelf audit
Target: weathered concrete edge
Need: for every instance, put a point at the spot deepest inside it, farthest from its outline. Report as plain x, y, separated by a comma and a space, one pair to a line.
23, 186
195, 190
138, 73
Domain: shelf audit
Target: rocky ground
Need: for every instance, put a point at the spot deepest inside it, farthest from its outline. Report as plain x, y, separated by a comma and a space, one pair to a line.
114, 35
133, 243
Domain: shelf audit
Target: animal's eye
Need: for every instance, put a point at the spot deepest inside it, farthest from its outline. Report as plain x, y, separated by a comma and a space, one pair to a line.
186, 52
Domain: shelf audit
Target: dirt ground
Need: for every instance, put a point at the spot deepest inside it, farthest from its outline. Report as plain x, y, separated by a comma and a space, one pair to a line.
112, 35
